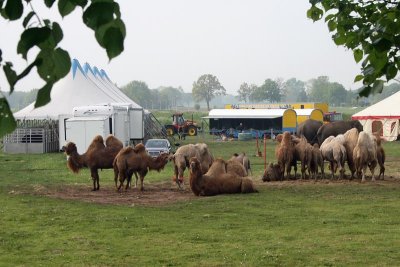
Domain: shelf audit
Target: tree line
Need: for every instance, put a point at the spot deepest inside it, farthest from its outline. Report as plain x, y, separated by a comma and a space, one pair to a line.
320, 89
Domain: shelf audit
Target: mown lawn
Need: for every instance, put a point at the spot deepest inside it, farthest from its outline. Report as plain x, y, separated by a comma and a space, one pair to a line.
296, 224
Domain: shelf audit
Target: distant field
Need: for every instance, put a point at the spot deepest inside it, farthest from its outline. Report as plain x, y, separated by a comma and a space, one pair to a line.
49, 217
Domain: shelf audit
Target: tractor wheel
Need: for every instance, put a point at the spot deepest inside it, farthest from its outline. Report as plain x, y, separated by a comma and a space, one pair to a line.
192, 131
170, 130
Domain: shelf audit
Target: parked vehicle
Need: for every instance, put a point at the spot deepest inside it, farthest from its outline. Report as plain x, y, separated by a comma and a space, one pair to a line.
157, 146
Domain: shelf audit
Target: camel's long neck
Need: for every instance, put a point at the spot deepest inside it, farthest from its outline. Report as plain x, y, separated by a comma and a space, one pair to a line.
76, 161
156, 164
195, 180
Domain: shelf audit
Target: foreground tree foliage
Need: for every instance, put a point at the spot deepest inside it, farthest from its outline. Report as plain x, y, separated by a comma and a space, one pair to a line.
371, 29
52, 62
206, 88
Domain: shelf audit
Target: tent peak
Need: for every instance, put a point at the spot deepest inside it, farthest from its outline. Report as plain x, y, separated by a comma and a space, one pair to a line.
76, 66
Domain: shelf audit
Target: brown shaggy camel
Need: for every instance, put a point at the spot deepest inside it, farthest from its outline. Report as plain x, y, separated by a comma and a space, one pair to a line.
210, 185
231, 166
182, 155
284, 154
272, 173
131, 160
364, 155
380, 156
303, 153
317, 162
244, 160
351, 137
97, 156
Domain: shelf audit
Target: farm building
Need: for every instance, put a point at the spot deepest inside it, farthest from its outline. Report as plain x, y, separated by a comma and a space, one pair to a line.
43, 129
309, 113
382, 117
261, 120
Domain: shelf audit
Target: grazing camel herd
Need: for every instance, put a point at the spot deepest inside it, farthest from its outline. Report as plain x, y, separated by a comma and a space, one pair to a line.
346, 142
209, 176
227, 176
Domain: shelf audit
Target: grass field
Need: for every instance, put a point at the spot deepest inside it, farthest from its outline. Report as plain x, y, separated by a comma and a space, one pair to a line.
292, 223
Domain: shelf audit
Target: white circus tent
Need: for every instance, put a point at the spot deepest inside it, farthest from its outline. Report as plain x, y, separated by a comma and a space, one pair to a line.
83, 86
78, 88
382, 117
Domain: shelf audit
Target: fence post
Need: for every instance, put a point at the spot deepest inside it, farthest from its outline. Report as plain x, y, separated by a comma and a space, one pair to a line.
265, 151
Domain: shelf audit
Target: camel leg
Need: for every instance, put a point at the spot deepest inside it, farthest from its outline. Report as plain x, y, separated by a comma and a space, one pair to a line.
95, 178
322, 170
116, 177
141, 182
136, 179
382, 172
372, 169
303, 170
121, 180
364, 169
332, 169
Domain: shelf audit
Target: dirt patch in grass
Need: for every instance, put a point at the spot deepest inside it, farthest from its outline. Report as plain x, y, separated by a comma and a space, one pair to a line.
155, 194
164, 193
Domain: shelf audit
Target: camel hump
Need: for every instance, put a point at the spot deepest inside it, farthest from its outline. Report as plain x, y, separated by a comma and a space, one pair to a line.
112, 141
98, 139
139, 148
126, 150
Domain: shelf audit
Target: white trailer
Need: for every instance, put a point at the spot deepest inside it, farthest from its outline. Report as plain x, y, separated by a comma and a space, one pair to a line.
120, 120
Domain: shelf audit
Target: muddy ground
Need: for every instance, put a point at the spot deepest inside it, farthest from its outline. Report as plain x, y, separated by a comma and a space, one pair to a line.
159, 194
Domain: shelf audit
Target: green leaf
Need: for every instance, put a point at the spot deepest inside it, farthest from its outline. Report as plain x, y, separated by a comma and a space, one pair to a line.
98, 13
43, 95
57, 32
358, 78
11, 75
55, 37
31, 37
49, 3
7, 121
358, 54
315, 13
365, 92
332, 25
382, 44
111, 37
28, 69
65, 7
329, 17
391, 71
55, 64
339, 39
14, 9
28, 18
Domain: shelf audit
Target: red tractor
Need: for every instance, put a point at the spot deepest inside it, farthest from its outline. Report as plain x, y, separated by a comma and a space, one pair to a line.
180, 125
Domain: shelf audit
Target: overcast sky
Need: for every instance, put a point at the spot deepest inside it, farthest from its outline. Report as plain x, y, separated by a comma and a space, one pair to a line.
174, 42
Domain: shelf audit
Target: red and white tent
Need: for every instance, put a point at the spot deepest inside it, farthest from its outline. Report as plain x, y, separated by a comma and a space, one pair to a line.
382, 117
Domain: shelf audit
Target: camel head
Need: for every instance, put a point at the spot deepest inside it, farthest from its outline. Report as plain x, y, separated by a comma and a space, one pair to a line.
194, 165
279, 138
69, 148
272, 173
161, 161
358, 125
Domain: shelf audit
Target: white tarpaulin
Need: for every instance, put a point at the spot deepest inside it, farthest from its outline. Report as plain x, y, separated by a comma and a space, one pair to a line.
78, 88
382, 117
